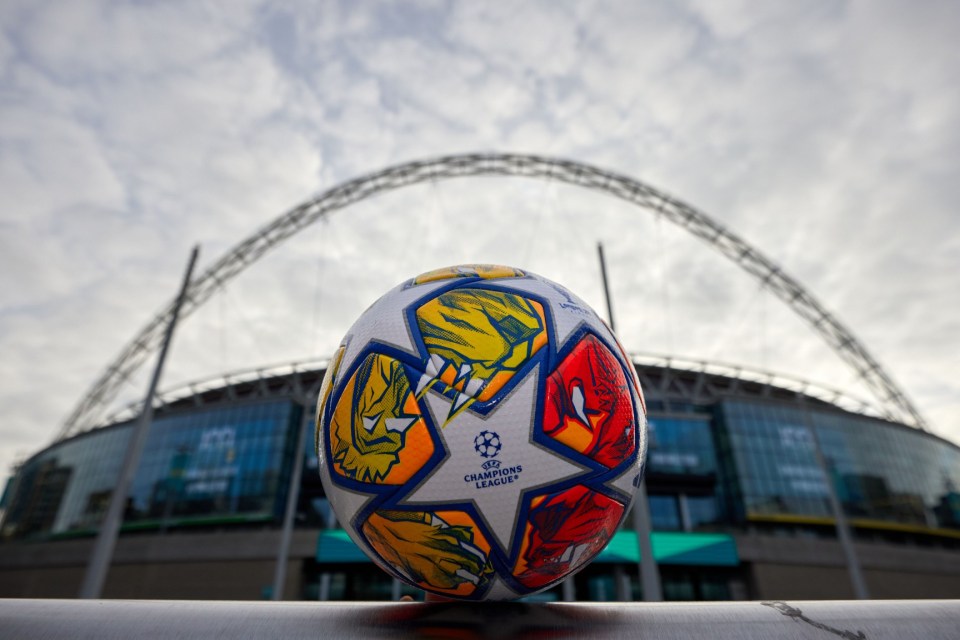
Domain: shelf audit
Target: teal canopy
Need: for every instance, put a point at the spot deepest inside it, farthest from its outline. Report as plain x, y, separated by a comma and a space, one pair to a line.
680, 548
701, 549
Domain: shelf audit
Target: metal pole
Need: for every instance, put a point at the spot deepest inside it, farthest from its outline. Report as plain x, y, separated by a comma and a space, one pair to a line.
96, 574
280, 572
649, 575
840, 520
606, 287
323, 592
569, 590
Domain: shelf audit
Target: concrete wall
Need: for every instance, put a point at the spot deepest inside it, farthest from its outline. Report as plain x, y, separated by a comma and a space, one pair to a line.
783, 568
237, 565
234, 565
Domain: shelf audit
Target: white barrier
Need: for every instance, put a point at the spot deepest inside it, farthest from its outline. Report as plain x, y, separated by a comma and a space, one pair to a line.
824, 620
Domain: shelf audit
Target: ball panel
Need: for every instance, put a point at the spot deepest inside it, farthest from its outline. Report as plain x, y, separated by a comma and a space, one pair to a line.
377, 432
477, 339
564, 531
589, 404
329, 379
485, 271
383, 327
440, 551
633, 377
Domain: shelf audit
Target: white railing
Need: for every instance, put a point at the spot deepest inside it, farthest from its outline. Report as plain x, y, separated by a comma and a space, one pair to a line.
817, 620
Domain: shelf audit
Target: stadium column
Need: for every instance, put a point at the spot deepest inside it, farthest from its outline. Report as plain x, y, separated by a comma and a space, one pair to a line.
96, 575
649, 575
840, 520
293, 492
323, 592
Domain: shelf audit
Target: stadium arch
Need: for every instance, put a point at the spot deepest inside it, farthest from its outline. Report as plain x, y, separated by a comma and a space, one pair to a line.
892, 401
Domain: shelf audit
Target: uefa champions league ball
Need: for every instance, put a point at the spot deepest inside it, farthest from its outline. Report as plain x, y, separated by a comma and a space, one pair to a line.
480, 432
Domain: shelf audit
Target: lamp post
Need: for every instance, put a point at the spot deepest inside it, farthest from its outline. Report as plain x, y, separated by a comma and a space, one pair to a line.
649, 575
96, 574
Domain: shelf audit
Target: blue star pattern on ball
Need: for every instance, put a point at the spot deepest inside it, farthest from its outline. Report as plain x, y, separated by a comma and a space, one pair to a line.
487, 444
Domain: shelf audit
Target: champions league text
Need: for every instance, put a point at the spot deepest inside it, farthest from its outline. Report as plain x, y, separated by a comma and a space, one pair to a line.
494, 477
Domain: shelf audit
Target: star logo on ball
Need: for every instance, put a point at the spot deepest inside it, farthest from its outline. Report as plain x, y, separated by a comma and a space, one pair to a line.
496, 498
487, 444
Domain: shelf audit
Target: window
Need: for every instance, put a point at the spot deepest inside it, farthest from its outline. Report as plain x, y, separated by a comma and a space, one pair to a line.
664, 513
702, 510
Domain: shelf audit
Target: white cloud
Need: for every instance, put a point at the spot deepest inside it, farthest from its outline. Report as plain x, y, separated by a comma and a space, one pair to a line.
40, 151
518, 35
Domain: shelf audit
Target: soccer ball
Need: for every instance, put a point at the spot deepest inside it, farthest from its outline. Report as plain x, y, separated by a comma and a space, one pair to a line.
480, 432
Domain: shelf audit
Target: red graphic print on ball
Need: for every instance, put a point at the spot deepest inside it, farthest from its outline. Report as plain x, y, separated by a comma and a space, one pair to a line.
588, 405
565, 531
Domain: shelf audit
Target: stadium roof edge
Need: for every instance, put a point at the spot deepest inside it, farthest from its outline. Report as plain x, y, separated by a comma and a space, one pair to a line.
776, 381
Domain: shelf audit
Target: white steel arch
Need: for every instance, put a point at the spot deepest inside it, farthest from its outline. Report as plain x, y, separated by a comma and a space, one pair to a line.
892, 401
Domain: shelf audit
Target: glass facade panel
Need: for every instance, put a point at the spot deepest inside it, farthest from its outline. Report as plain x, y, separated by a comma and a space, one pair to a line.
230, 462
681, 446
222, 463
68, 486
881, 472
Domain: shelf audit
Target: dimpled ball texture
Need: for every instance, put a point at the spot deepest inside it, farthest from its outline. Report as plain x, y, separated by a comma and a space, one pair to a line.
480, 432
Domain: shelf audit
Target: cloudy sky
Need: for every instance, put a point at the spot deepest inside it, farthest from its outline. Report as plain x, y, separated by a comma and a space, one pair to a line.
823, 132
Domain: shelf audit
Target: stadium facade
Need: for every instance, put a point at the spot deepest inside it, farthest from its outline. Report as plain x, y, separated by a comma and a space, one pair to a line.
738, 499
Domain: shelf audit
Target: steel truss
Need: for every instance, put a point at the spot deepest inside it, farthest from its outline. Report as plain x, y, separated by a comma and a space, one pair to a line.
892, 401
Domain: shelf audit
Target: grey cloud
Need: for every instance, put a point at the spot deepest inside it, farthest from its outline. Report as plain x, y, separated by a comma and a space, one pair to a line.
522, 36
75, 41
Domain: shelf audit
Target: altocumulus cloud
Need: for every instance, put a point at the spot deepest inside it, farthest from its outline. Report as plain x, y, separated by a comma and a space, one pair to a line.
823, 132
